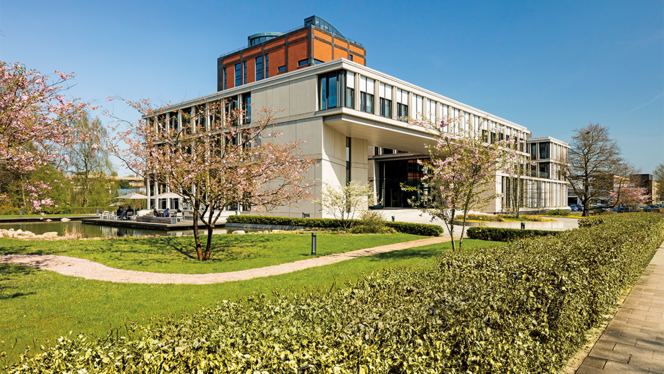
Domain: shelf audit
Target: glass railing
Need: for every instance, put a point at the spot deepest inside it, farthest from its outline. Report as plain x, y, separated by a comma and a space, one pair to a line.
539, 174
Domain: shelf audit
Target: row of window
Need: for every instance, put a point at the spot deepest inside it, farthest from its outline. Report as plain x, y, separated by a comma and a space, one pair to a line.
262, 71
175, 121
337, 89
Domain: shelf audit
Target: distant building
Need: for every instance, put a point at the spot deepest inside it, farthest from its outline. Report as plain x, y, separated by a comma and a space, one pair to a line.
647, 181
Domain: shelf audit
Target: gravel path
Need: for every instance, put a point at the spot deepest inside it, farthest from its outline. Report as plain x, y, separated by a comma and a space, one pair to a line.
87, 269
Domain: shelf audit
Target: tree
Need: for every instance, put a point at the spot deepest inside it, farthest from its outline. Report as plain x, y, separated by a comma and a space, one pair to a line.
34, 126
215, 160
346, 202
461, 173
592, 157
630, 197
89, 157
621, 172
658, 175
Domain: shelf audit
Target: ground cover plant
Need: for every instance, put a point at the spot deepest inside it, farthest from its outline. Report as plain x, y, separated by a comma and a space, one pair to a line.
178, 255
523, 307
74, 304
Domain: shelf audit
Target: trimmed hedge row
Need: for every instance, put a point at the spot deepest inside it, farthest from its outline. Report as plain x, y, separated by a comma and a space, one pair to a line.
58, 210
404, 227
520, 308
504, 235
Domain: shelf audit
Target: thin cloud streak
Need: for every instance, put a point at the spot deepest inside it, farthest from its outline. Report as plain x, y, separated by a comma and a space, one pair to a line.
641, 106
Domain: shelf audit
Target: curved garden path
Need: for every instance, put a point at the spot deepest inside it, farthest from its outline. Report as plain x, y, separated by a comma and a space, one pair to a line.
77, 267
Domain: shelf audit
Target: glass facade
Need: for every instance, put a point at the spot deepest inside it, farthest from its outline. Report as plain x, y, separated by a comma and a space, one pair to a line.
245, 72
391, 175
336, 89
238, 75
225, 79
246, 106
259, 68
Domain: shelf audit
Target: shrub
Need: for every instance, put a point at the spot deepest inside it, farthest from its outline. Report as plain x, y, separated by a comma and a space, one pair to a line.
503, 234
483, 218
520, 308
404, 227
372, 222
558, 212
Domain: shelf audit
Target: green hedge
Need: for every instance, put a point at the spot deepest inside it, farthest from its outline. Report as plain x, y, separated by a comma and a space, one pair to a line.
59, 210
504, 235
404, 227
520, 308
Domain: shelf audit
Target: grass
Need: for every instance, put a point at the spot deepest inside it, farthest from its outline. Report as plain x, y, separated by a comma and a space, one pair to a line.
178, 255
39, 306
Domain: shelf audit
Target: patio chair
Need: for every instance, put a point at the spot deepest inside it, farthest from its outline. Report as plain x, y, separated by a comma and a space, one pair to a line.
130, 216
114, 216
105, 215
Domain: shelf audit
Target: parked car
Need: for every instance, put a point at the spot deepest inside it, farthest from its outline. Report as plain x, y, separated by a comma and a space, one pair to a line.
574, 208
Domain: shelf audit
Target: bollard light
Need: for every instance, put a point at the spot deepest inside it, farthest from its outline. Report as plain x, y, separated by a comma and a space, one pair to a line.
523, 225
237, 213
392, 218
313, 243
20, 213
97, 211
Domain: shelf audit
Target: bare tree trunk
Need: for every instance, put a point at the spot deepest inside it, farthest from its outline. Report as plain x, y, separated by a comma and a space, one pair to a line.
451, 228
208, 247
197, 236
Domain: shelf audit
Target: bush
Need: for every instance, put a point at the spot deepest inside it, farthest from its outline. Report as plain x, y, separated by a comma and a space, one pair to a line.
520, 308
483, 218
558, 212
407, 228
504, 235
372, 222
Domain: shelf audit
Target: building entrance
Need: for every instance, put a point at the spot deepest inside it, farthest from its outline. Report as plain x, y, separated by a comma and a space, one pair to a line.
391, 175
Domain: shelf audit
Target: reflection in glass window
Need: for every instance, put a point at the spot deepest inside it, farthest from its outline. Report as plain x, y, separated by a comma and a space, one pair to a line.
350, 90
259, 68
402, 104
238, 75
367, 94
281, 69
302, 63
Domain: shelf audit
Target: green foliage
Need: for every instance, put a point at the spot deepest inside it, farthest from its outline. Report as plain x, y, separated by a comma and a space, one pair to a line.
372, 222
504, 234
558, 212
502, 218
403, 227
520, 308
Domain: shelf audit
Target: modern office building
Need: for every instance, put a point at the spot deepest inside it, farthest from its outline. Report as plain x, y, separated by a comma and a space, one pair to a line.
352, 116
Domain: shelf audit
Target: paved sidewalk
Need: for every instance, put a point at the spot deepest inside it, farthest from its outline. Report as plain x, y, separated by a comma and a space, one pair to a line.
633, 342
87, 269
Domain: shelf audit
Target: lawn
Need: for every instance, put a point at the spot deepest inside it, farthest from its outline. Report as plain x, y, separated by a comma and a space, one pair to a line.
38, 306
178, 255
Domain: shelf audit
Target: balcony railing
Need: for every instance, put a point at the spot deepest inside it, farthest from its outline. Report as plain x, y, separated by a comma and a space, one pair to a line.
539, 174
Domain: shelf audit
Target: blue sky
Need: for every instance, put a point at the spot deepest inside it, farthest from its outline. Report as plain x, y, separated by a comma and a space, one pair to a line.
550, 66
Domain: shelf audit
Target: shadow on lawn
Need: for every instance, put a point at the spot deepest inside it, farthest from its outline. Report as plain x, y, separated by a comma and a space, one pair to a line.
407, 254
9, 271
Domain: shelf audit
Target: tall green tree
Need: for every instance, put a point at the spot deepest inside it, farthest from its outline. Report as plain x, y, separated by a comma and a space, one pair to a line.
89, 158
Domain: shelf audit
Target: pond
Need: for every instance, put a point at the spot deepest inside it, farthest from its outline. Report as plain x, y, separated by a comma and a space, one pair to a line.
92, 231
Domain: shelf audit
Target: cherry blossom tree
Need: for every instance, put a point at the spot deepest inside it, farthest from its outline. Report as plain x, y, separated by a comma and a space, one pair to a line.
461, 172
629, 196
35, 123
215, 159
